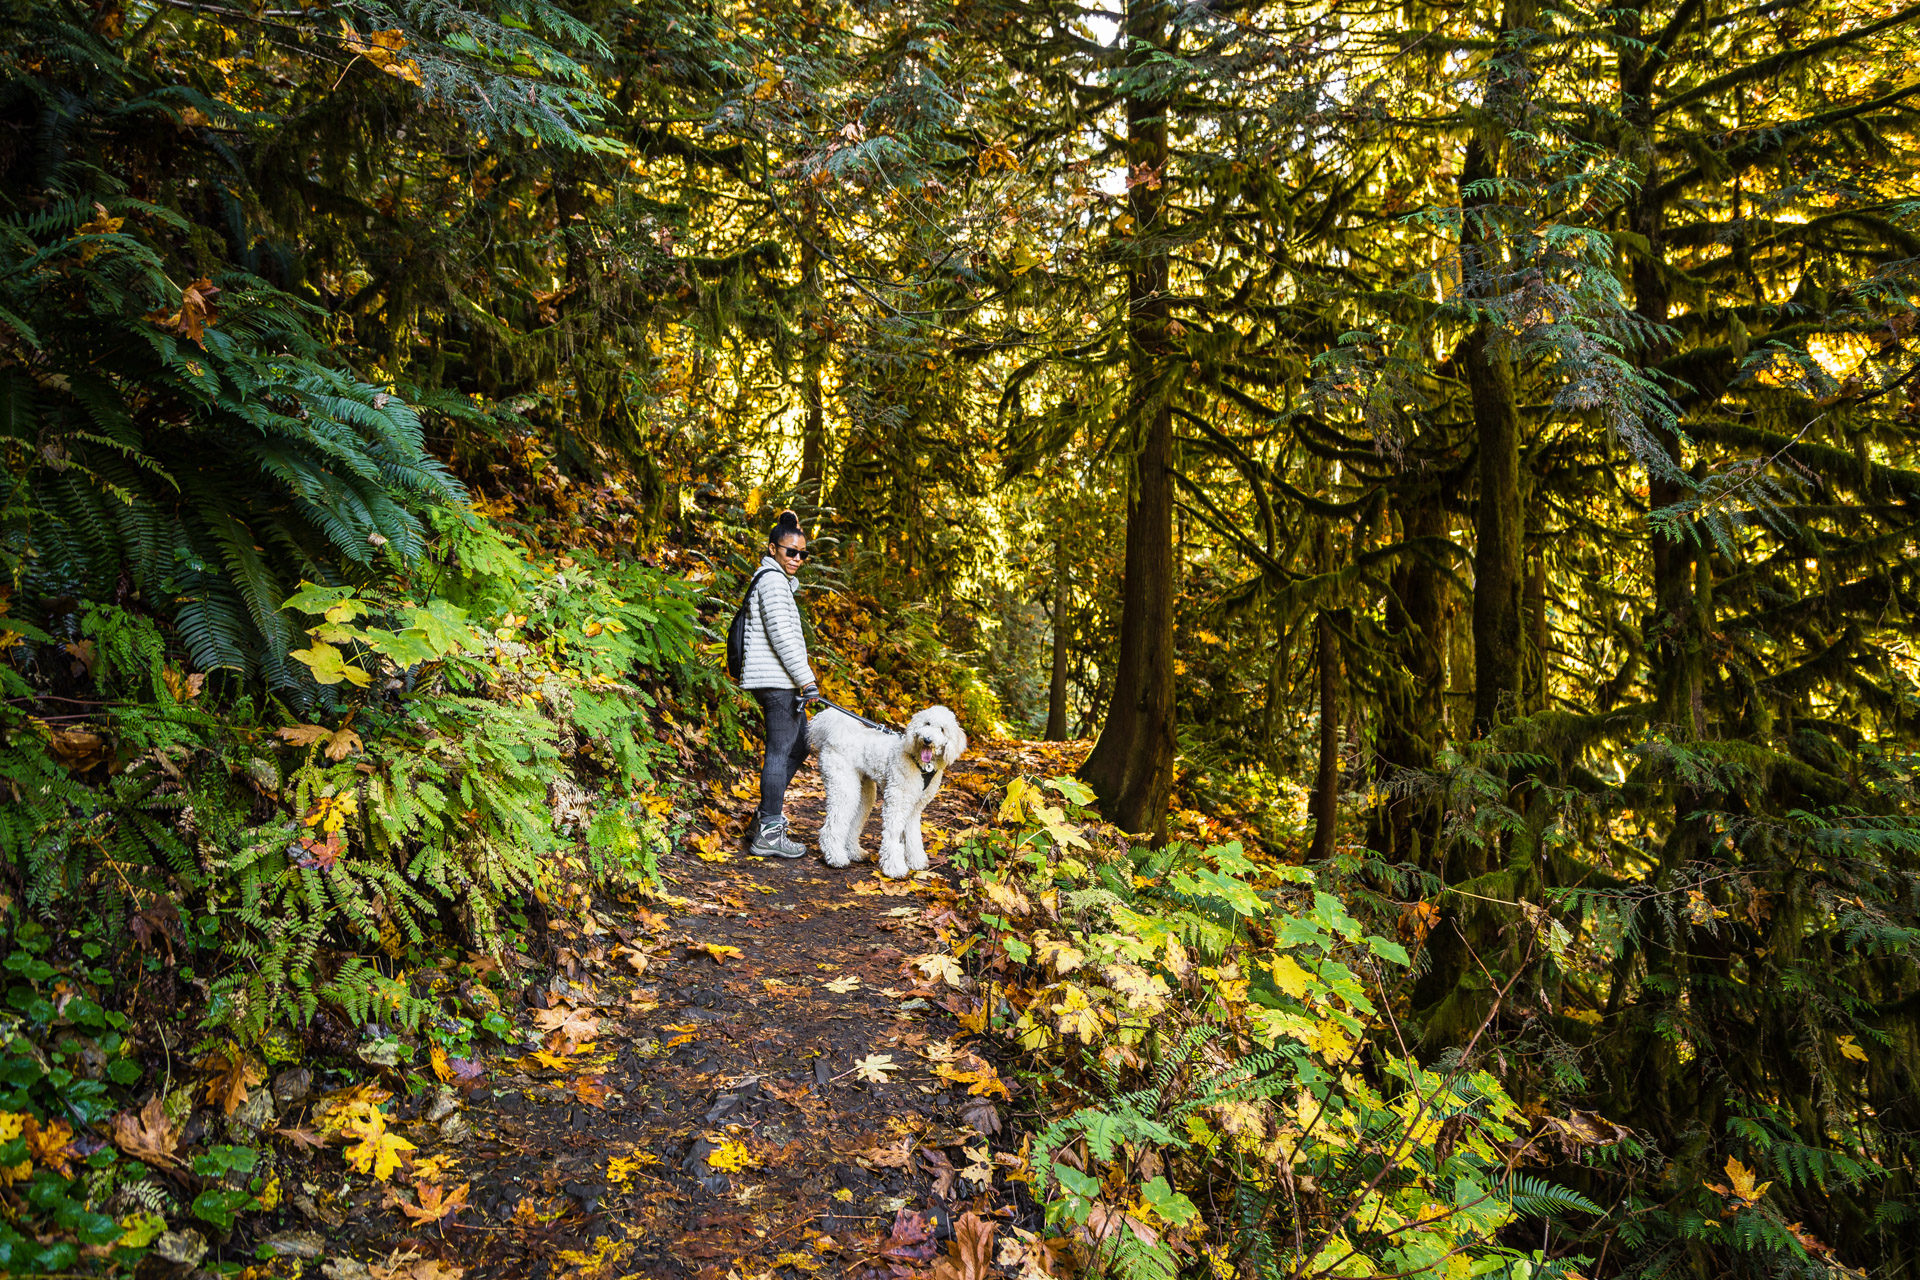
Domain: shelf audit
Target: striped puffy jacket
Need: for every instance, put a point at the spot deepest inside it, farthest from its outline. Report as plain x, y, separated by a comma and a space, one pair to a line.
776, 648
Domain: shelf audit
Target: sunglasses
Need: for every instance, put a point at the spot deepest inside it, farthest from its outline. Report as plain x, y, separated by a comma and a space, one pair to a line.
800, 554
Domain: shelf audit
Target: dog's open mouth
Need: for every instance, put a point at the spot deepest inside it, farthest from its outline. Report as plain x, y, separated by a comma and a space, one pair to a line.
926, 757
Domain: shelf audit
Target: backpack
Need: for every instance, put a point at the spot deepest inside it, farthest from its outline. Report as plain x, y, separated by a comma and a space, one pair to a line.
737, 629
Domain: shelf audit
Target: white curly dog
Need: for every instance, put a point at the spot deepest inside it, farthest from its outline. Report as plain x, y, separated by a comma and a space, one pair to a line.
856, 762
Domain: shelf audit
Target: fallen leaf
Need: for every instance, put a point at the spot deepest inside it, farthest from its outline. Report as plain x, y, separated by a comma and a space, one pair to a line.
731, 1156
945, 1176
981, 1115
343, 743
568, 1026
234, 1071
149, 1136
435, 1203
308, 1138
591, 1090
378, 1153
875, 1068
303, 735
718, 950
970, 1252
943, 967
911, 1239
842, 985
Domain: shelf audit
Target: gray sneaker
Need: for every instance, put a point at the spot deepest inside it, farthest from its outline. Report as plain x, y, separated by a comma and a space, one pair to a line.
772, 841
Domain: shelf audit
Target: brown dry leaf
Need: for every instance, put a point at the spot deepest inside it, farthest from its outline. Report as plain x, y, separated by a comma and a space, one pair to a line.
571, 1027
344, 742
78, 749
970, 1252
303, 735
436, 1202
149, 1136
591, 1090
945, 1176
980, 1114
307, 1138
233, 1073
635, 958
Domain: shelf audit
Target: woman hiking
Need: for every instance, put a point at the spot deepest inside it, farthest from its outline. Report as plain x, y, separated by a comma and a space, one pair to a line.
774, 670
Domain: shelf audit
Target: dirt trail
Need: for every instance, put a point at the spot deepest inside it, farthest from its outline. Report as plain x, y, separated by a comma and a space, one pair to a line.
719, 1125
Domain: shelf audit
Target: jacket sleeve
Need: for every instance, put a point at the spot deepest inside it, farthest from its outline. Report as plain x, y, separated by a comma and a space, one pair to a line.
780, 618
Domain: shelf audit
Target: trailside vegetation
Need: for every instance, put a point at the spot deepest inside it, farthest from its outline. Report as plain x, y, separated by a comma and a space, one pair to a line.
1454, 466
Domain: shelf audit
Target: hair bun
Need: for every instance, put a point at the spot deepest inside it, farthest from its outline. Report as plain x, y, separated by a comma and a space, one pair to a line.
787, 522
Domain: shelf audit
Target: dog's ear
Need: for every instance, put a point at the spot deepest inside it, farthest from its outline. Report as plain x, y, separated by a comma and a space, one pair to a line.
960, 740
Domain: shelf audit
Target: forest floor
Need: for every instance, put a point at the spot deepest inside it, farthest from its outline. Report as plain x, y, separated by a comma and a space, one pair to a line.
760, 1100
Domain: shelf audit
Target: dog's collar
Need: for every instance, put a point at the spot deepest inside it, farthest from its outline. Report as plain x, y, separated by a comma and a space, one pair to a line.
927, 776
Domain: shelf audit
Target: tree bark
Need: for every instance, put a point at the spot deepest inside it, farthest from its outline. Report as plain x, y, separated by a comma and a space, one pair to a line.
1411, 712
1131, 766
1497, 569
1057, 689
813, 429
1324, 806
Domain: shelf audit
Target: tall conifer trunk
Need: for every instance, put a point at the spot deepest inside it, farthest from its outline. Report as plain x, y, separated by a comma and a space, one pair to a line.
1498, 519
1324, 805
1057, 687
1131, 766
813, 429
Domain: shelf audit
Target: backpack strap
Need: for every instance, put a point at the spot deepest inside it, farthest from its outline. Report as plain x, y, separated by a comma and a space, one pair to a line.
753, 587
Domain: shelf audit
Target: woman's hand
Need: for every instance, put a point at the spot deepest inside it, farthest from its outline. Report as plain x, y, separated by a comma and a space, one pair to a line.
811, 693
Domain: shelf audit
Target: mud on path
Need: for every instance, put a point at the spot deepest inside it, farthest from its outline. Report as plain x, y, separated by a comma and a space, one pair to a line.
760, 1100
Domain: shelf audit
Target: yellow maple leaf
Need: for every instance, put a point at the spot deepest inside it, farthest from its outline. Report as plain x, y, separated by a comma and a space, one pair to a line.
1063, 956
1145, 992
1743, 1183
1848, 1049
378, 1153
731, 1156
943, 967
718, 950
1290, 977
1078, 1017
875, 1067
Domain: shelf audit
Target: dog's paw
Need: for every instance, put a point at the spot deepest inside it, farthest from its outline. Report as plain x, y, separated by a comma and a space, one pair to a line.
917, 859
895, 868
835, 857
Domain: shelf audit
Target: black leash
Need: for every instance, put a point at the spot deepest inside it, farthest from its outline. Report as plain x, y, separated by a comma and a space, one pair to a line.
926, 775
871, 724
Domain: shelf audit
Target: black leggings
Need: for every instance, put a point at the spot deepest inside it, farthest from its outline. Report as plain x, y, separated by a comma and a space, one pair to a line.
786, 746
